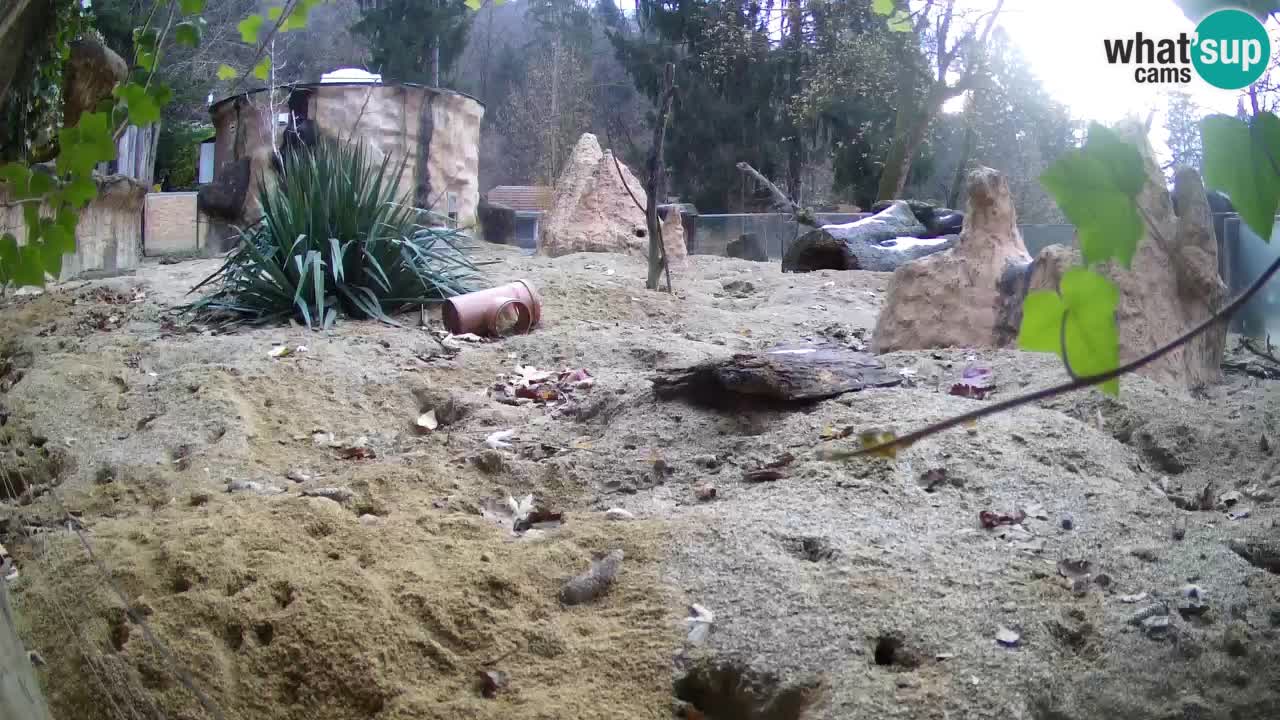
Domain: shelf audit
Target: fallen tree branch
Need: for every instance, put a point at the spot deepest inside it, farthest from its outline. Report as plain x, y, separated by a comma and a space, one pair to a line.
780, 199
1247, 344
1080, 383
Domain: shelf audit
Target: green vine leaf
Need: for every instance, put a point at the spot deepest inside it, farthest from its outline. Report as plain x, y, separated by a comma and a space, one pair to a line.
1096, 187
8, 258
882, 7
250, 28
29, 268
1243, 161
191, 7
80, 191
474, 5
226, 72
143, 110
188, 33
84, 146
18, 176
1087, 301
262, 70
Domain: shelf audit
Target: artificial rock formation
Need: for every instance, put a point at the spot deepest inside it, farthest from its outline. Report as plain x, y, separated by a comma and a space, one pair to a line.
953, 298
92, 71
1173, 283
593, 210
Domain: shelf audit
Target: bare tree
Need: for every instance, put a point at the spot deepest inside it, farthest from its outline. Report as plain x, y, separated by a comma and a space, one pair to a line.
933, 29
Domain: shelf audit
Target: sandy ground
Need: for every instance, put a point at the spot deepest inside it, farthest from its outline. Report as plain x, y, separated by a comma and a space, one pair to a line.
842, 590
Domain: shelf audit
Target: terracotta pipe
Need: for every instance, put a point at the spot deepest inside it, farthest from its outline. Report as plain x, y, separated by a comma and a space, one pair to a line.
514, 308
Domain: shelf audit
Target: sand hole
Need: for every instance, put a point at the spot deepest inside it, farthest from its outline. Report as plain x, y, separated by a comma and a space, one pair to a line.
731, 691
233, 633
284, 593
891, 652
265, 632
811, 548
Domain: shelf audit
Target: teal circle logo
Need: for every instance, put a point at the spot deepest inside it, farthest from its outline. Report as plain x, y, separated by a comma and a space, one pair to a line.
1232, 49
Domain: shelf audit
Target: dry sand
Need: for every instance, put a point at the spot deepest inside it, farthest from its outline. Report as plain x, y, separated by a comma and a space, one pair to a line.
844, 590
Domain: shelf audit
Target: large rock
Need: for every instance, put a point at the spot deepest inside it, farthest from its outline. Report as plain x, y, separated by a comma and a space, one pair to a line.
748, 246
937, 221
881, 242
1173, 283
953, 298
593, 210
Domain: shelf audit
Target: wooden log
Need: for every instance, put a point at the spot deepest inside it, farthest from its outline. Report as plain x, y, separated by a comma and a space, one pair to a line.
785, 374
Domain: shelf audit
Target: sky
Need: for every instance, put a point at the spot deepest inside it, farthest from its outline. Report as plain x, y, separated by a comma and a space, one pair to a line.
1062, 42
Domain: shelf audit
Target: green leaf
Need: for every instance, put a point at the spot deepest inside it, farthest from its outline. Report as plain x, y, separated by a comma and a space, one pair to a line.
882, 7
250, 28
1096, 187
143, 110
29, 269
188, 33
1088, 302
145, 39
226, 72
262, 70
1041, 329
82, 147
474, 5
40, 184
68, 219
274, 13
191, 7
161, 94
297, 20
901, 22
1092, 339
19, 178
1241, 159
80, 191
8, 258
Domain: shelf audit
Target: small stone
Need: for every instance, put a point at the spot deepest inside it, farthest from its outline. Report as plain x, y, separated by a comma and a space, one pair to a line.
618, 514
1239, 514
252, 486
710, 462
1009, 607
1235, 639
298, 476
1145, 553
1007, 637
1068, 523
336, 494
1179, 532
1156, 626
1103, 580
1229, 499
705, 493
489, 461
1147, 612
486, 557
370, 520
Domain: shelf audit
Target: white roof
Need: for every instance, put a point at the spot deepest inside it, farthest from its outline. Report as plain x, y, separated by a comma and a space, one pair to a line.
350, 75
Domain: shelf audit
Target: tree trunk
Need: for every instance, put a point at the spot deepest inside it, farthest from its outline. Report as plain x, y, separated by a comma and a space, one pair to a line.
908, 135
966, 151
657, 183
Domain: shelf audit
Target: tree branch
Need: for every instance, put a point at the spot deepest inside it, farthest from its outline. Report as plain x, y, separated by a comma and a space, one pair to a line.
262, 47
910, 439
802, 215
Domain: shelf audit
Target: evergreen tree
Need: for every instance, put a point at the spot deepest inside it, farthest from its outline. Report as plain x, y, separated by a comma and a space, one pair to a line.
405, 35
1182, 125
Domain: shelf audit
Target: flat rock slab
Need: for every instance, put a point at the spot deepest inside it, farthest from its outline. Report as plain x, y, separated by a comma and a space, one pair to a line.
788, 373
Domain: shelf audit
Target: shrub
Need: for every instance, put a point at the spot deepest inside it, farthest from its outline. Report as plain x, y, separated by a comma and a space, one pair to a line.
334, 238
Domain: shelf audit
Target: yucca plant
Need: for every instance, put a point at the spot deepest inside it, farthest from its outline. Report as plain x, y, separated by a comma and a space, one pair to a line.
335, 238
